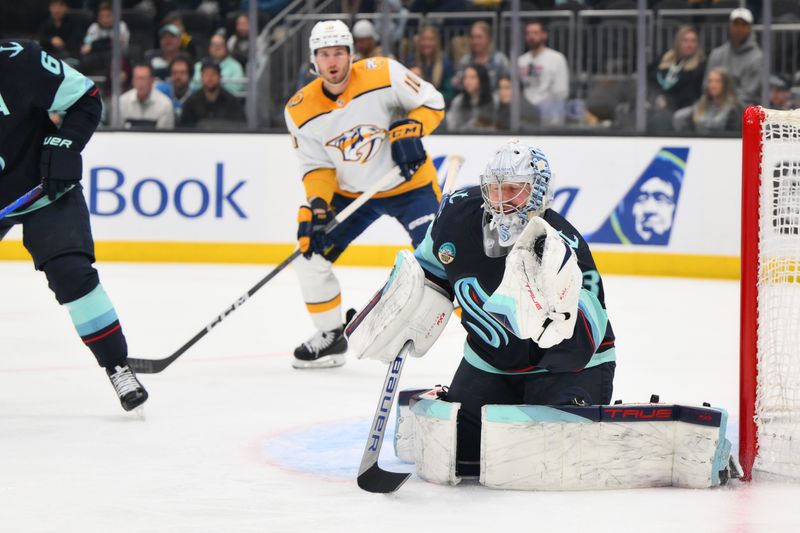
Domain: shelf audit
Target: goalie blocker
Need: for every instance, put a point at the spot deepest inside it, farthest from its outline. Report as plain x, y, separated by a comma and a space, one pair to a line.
534, 447
407, 308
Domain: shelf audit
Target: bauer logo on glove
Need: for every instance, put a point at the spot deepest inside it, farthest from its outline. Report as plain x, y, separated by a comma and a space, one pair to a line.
538, 296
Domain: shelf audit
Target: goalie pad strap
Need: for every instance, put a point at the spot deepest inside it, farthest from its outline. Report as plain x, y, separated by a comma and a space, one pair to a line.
602, 447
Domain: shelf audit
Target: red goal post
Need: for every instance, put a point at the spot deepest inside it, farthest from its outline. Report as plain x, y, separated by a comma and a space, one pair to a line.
769, 401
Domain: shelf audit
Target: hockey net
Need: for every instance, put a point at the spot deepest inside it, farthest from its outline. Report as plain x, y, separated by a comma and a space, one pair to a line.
770, 294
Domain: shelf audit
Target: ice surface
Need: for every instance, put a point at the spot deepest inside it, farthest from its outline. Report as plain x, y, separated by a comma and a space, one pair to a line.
235, 440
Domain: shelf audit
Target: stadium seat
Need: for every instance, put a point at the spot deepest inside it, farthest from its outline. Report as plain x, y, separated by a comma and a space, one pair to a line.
142, 28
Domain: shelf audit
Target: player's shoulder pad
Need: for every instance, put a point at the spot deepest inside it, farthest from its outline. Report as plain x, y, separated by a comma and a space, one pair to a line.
567, 231
369, 74
18, 50
458, 207
307, 103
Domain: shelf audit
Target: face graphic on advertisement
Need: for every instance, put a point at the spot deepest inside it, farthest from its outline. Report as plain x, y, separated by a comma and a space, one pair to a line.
654, 208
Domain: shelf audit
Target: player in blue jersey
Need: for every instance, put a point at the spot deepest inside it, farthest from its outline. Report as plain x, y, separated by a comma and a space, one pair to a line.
55, 226
532, 301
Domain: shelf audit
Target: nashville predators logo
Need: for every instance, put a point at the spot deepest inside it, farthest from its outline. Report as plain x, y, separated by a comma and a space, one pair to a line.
359, 144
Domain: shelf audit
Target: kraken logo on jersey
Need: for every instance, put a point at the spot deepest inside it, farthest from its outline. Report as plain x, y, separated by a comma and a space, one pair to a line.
359, 144
471, 297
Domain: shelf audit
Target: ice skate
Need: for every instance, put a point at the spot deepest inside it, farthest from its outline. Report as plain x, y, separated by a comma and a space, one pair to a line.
131, 393
325, 349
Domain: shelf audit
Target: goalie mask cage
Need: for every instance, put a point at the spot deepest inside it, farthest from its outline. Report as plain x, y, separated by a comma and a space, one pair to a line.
769, 408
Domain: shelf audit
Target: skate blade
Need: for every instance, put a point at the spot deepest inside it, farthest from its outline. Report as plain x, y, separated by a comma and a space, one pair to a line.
329, 361
140, 413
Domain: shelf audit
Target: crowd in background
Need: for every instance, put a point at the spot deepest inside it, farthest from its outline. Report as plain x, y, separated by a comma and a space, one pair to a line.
177, 77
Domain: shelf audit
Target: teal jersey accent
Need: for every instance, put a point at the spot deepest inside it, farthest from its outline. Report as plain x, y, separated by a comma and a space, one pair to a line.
504, 307
92, 312
596, 316
73, 86
475, 360
485, 325
427, 259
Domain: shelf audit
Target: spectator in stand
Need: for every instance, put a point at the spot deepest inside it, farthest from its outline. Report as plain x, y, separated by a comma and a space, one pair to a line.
502, 114
170, 47
143, 106
544, 75
482, 53
528, 114
780, 93
60, 36
678, 79
717, 110
239, 41
212, 102
187, 43
96, 49
741, 57
177, 88
366, 40
431, 62
232, 71
473, 109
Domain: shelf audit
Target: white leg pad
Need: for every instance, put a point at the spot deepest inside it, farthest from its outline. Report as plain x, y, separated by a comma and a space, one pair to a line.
602, 447
404, 424
435, 440
319, 284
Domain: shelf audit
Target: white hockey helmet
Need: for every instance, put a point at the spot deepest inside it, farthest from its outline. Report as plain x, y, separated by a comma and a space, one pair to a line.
329, 33
505, 218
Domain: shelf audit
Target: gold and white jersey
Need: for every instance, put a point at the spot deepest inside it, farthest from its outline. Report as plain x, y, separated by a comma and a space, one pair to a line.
348, 134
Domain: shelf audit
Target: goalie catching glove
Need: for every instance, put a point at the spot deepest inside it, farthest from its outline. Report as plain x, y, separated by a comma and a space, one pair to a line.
408, 307
538, 296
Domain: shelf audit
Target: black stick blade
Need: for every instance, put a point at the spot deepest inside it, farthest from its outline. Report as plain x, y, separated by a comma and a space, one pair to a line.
147, 366
380, 481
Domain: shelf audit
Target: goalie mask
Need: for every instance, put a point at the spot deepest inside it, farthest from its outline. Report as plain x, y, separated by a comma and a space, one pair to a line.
326, 34
515, 186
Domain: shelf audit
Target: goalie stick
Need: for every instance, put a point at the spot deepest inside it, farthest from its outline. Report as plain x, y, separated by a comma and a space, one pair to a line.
154, 366
371, 477
22, 200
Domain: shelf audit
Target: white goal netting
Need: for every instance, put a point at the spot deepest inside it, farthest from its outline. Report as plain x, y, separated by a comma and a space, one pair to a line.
777, 409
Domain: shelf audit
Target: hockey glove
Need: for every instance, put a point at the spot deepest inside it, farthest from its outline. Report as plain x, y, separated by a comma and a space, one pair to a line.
60, 166
407, 150
538, 296
311, 220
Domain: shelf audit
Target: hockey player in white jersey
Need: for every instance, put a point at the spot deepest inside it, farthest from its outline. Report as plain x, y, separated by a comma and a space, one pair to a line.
350, 126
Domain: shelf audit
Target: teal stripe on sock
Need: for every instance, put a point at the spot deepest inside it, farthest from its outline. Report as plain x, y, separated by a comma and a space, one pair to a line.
92, 312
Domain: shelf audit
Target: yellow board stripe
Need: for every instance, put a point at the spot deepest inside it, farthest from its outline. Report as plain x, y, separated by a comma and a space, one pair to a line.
608, 262
321, 307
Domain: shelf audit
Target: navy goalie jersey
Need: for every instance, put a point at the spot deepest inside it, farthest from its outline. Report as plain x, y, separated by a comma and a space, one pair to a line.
452, 256
32, 85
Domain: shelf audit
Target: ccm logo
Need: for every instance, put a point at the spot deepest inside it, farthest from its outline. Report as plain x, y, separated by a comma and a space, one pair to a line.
639, 414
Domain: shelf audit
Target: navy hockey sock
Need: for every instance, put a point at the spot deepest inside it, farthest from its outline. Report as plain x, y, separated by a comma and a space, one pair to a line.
96, 321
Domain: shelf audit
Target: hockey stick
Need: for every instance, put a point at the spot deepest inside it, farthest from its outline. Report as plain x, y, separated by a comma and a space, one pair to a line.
22, 200
154, 366
371, 477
